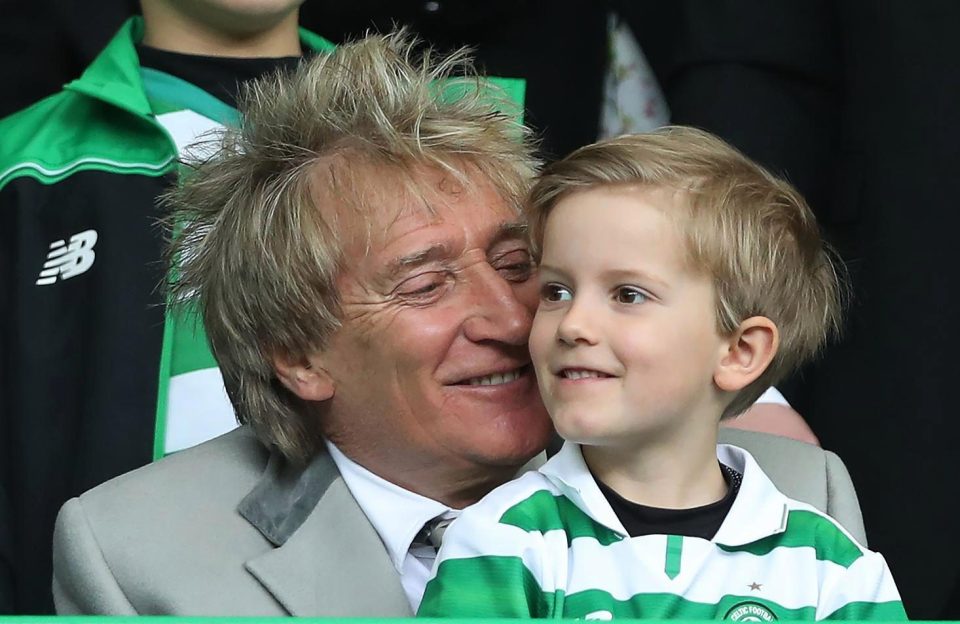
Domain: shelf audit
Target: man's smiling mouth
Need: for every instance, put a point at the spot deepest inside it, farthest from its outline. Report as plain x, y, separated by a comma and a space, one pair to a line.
495, 379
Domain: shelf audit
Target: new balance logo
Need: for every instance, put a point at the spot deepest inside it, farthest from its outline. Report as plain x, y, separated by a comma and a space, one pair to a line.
69, 260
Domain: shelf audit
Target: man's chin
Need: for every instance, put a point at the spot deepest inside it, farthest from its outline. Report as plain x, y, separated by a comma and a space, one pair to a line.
519, 449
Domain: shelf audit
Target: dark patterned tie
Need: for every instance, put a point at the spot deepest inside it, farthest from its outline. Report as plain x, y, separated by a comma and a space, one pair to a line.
432, 532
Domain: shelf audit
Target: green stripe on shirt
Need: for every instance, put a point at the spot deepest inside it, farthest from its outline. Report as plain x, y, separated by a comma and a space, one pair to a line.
544, 511
807, 529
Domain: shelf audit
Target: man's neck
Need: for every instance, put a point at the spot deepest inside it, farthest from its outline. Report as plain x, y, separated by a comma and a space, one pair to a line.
169, 30
677, 473
455, 483
455, 488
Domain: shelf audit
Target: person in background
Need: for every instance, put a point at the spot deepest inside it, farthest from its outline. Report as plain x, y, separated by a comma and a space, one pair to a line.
88, 353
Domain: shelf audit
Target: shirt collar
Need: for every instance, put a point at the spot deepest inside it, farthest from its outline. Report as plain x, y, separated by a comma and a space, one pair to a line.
396, 514
569, 474
758, 511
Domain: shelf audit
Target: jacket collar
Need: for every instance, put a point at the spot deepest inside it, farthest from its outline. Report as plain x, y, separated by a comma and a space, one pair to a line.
327, 556
114, 75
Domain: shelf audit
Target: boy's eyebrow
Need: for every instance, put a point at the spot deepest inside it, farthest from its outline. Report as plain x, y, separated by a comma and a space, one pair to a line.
627, 275
613, 275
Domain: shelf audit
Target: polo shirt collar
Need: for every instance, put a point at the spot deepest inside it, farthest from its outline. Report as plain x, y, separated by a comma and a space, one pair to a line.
569, 473
758, 511
396, 514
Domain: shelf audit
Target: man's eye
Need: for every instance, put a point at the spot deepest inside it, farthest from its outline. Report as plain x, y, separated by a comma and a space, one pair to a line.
555, 292
515, 266
630, 295
422, 285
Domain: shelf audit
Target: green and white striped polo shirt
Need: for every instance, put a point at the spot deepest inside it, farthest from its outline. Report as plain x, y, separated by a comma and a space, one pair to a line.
549, 545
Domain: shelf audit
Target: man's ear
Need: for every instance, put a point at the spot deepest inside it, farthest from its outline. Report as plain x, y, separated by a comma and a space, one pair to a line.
306, 376
747, 353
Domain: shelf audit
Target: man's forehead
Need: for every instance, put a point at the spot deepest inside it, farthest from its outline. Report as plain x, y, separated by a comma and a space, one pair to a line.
372, 202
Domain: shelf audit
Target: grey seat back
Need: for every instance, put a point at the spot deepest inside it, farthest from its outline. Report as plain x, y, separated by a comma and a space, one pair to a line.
805, 472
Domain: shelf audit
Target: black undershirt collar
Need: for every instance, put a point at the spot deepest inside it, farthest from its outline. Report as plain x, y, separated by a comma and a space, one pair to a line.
219, 76
703, 522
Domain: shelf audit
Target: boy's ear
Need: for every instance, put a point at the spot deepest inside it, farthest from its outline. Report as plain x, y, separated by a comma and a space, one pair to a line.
306, 376
747, 353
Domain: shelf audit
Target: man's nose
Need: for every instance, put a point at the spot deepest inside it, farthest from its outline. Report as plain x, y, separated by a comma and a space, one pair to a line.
496, 312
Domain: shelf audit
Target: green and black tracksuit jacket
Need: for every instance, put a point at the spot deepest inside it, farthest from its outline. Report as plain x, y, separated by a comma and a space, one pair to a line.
82, 320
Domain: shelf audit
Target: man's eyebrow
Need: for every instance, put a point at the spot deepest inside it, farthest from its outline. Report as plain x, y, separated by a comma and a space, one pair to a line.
516, 230
398, 266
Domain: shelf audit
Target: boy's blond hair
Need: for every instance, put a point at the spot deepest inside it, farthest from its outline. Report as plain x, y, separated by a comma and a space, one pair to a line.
750, 231
256, 244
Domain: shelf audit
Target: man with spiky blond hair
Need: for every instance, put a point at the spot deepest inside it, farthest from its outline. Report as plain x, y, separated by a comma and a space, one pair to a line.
356, 254
358, 258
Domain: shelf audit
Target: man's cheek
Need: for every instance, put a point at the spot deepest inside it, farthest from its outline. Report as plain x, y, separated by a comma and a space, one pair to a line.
527, 293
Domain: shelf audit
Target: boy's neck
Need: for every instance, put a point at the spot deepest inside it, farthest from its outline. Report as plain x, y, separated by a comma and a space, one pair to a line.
664, 474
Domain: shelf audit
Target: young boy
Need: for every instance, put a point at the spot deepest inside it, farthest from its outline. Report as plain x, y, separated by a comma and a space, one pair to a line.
678, 280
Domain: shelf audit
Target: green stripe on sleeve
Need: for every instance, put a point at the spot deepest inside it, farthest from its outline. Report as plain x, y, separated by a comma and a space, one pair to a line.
544, 511
163, 386
500, 587
870, 611
671, 607
190, 347
807, 529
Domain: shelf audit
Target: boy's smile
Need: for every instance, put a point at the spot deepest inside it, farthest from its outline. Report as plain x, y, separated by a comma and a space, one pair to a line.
625, 340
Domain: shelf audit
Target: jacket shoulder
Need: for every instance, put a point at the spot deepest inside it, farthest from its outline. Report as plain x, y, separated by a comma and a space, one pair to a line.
70, 131
167, 538
227, 466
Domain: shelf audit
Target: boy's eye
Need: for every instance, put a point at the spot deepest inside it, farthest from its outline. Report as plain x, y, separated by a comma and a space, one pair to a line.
555, 292
630, 295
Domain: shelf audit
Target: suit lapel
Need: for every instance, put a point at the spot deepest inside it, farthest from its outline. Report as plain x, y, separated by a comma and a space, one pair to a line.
329, 561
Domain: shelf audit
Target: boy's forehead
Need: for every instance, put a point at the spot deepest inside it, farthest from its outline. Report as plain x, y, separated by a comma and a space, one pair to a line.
673, 203
640, 220
666, 198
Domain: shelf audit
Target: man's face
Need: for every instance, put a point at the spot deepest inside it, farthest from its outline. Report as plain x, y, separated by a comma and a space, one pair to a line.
430, 366
624, 341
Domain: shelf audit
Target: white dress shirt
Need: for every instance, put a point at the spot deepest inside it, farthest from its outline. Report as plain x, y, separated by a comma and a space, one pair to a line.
397, 515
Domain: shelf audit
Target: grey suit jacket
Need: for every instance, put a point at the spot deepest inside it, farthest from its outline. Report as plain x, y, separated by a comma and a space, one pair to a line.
225, 528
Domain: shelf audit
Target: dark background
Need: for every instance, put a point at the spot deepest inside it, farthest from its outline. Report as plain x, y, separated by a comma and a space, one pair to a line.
856, 102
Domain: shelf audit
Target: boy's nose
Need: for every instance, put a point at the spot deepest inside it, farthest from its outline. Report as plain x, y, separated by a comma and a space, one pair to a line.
578, 325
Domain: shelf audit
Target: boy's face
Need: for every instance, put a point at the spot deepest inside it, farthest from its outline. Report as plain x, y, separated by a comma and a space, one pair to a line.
624, 341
